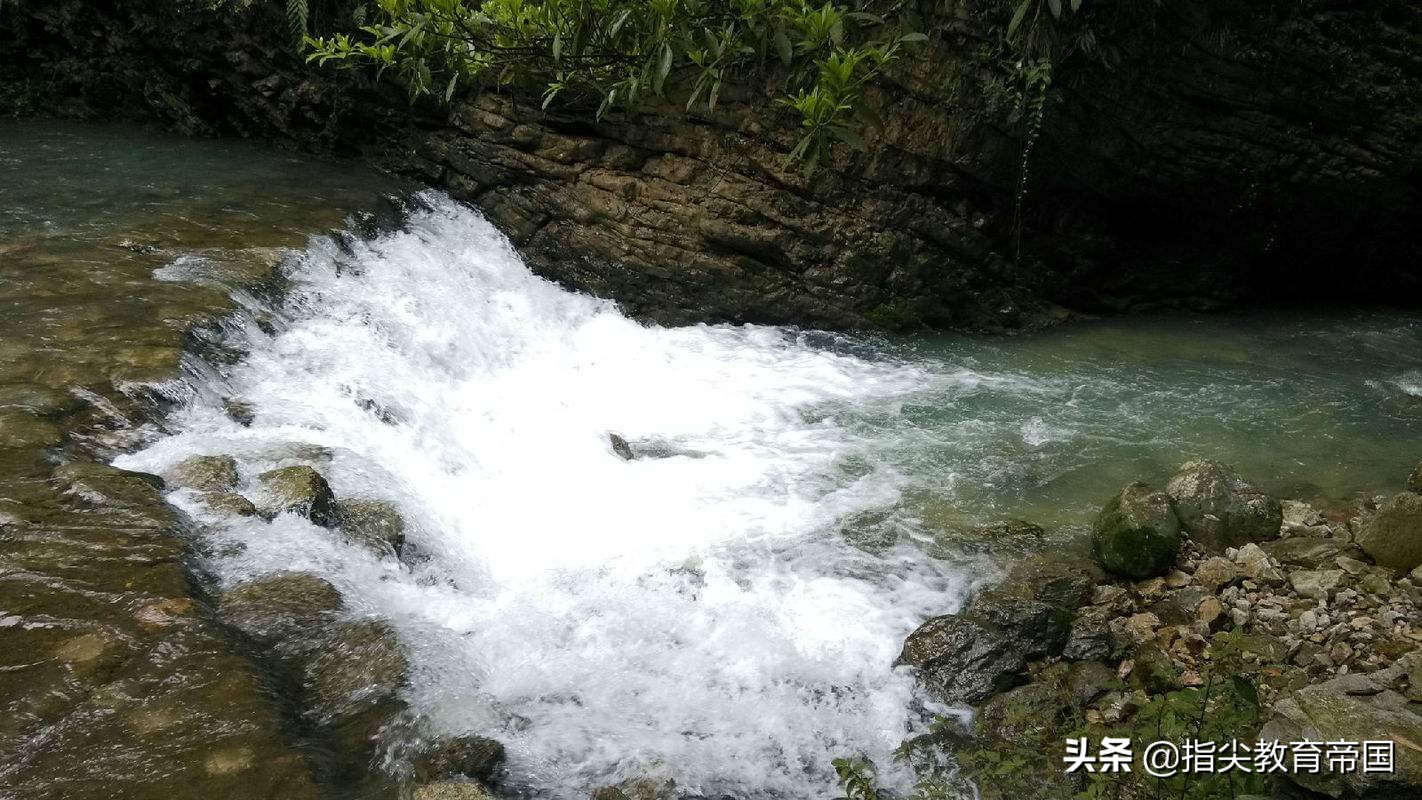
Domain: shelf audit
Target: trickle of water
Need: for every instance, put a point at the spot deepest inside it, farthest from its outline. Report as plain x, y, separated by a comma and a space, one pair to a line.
693, 613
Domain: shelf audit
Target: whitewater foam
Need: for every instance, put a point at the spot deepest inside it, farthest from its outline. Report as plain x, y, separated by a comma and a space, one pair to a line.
697, 614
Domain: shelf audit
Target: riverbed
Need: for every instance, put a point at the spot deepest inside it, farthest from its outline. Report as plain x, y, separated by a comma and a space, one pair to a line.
724, 609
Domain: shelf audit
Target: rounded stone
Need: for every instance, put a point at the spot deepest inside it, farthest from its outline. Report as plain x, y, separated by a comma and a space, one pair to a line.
1137, 534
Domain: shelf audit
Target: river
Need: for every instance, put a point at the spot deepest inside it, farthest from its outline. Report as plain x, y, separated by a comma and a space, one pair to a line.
724, 609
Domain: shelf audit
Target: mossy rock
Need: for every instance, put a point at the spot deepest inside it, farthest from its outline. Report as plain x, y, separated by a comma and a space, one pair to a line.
473, 757
21, 429
452, 790
298, 490
1393, 536
279, 607
229, 503
204, 473
1137, 534
374, 525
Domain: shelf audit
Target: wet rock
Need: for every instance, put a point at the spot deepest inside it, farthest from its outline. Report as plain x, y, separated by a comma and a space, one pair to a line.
280, 607
40, 401
358, 667
1088, 680
452, 790
1090, 637
21, 429
239, 411
103, 485
1039, 628
1220, 509
472, 757
963, 659
642, 788
204, 473
298, 490
1414, 481
1001, 537
1137, 534
1352, 708
374, 525
1393, 536
229, 503
621, 447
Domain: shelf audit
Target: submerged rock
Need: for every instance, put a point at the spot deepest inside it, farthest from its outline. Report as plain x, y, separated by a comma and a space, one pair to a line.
1393, 536
239, 411
204, 473
473, 757
1220, 509
23, 429
452, 790
1137, 534
280, 607
299, 490
229, 503
373, 524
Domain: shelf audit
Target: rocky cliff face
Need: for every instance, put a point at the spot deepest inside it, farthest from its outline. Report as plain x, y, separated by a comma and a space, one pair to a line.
1218, 154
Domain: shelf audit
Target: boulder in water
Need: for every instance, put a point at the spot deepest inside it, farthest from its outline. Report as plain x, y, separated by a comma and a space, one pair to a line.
299, 490
239, 411
473, 757
1220, 509
204, 473
621, 447
229, 503
1137, 534
374, 525
1393, 535
963, 659
280, 607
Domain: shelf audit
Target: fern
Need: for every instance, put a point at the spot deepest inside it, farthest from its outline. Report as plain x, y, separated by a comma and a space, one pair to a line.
297, 12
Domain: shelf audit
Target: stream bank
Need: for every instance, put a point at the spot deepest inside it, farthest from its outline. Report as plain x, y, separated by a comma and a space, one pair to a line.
1220, 155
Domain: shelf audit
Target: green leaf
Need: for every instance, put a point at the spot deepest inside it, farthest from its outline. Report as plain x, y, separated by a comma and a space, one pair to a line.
663, 67
1017, 17
782, 46
1056, 7
916, 36
1075, 6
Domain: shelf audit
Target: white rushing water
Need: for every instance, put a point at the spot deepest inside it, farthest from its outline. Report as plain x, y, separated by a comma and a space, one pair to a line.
695, 613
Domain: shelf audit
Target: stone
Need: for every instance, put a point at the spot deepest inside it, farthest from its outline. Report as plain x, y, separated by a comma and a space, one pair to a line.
204, 473
229, 503
1298, 514
1352, 708
1039, 628
280, 607
1220, 509
1210, 611
1257, 566
1176, 579
22, 429
1137, 534
472, 757
354, 667
298, 490
621, 447
239, 411
452, 790
962, 659
1141, 627
1393, 536
374, 525
1315, 584
1090, 637
1088, 680
1153, 671
1311, 552
1216, 572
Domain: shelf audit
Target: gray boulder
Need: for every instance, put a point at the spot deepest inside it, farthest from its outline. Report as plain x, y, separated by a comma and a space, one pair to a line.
473, 757
204, 473
1220, 509
1137, 534
280, 607
1353, 708
374, 525
298, 490
962, 659
1393, 536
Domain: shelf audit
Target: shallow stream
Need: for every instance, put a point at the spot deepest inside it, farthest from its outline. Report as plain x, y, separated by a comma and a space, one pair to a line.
724, 609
